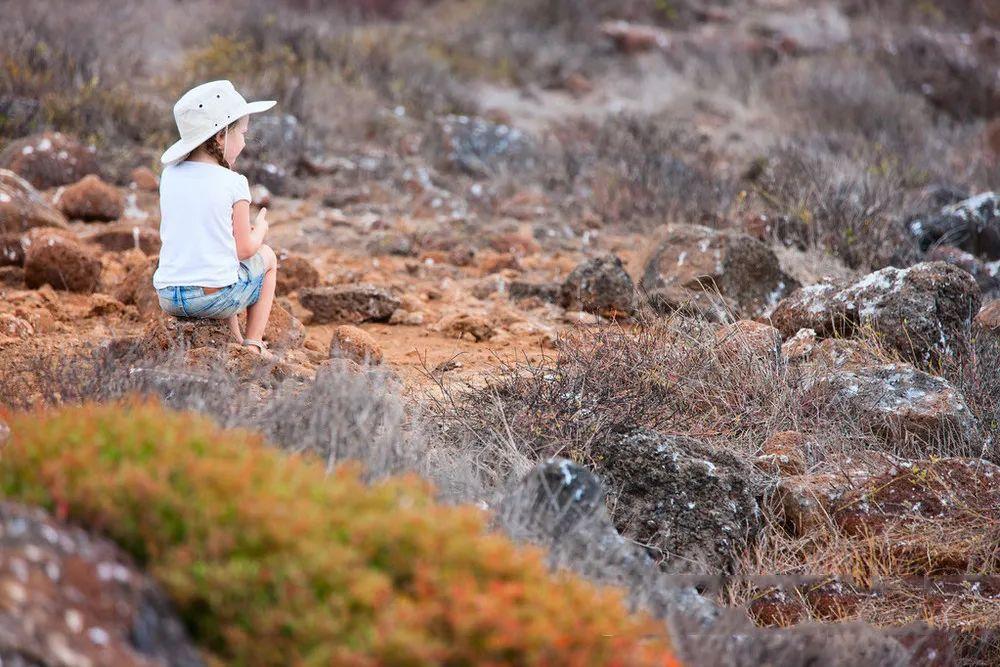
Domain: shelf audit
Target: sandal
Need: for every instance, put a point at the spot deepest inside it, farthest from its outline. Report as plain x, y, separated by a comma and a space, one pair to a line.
261, 347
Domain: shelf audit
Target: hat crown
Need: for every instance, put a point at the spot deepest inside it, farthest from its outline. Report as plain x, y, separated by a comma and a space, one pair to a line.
210, 106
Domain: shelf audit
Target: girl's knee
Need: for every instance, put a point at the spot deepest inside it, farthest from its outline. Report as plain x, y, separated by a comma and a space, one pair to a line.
270, 259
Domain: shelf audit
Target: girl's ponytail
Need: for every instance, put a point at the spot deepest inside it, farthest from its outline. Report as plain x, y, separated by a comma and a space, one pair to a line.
213, 148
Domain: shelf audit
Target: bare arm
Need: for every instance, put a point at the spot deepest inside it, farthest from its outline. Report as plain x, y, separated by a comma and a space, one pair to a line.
248, 239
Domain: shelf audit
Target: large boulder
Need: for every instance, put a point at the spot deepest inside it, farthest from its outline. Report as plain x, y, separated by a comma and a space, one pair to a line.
914, 412
62, 263
972, 225
92, 200
989, 284
600, 285
349, 304
693, 505
69, 598
738, 266
22, 208
924, 311
50, 159
561, 505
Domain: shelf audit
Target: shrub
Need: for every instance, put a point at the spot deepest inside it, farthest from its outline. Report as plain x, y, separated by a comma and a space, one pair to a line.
269, 561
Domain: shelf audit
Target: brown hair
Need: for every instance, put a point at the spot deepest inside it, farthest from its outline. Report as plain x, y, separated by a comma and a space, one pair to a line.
213, 148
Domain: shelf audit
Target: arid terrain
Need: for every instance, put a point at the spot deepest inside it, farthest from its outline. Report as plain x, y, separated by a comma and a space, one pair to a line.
700, 298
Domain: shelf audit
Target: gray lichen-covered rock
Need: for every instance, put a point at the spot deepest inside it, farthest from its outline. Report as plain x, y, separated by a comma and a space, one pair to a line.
561, 505
916, 413
693, 505
67, 598
737, 266
924, 311
348, 304
972, 225
600, 285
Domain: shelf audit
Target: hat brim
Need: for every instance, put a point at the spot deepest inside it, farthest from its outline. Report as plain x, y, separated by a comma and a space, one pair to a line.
181, 149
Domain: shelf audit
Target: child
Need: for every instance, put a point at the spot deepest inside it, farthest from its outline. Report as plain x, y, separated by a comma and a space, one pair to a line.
213, 263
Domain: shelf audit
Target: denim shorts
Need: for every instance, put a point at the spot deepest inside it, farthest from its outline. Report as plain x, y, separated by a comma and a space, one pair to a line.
189, 301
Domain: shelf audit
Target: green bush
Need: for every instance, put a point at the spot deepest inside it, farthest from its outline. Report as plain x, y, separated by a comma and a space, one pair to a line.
271, 562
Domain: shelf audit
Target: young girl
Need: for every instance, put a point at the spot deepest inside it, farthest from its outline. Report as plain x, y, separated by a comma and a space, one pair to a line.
213, 262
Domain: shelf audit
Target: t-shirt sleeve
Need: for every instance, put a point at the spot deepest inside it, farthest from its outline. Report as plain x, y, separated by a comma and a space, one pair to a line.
240, 188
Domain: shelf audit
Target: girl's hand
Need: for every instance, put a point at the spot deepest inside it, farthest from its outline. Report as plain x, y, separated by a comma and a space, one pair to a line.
261, 220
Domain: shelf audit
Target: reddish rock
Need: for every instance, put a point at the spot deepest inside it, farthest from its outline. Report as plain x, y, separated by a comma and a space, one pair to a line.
49, 159
988, 318
127, 236
515, 244
92, 200
137, 286
783, 453
699, 304
800, 346
294, 273
351, 304
164, 333
465, 324
144, 179
62, 263
747, 339
737, 266
70, 598
633, 37
283, 331
835, 600
968, 262
12, 276
925, 311
22, 207
12, 248
350, 342
14, 328
777, 608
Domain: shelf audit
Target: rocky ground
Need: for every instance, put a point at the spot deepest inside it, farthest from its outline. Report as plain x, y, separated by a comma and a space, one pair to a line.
771, 336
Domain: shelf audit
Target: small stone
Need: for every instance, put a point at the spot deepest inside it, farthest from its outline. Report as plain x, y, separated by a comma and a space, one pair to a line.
92, 200
61, 263
600, 286
353, 303
351, 342
144, 179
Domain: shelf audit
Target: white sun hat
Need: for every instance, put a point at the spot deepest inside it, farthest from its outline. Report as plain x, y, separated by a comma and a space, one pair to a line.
203, 111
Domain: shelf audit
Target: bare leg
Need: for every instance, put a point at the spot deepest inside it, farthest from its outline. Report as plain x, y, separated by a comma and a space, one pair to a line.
234, 326
258, 313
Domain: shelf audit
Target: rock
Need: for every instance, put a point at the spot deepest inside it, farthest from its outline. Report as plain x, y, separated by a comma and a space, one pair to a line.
22, 207
738, 266
283, 331
633, 37
165, 333
126, 236
800, 346
13, 327
144, 179
692, 504
561, 505
70, 598
903, 502
748, 340
350, 342
92, 200
12, 249
924, 311
988, 283
520, 290
352, 303
804, 503
783, 453
391, 243
600, 286
676, 300
988, 318
49, 159
339, 366
294, 273
950, 69
972, 225
62, 263
481, 148
915, 413
12, 276
137, 286
463, 324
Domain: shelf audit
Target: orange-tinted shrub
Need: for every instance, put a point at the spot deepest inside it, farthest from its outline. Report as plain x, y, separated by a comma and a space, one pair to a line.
270, 562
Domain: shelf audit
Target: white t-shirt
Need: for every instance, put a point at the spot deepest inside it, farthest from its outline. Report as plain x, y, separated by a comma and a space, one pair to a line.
196, 225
